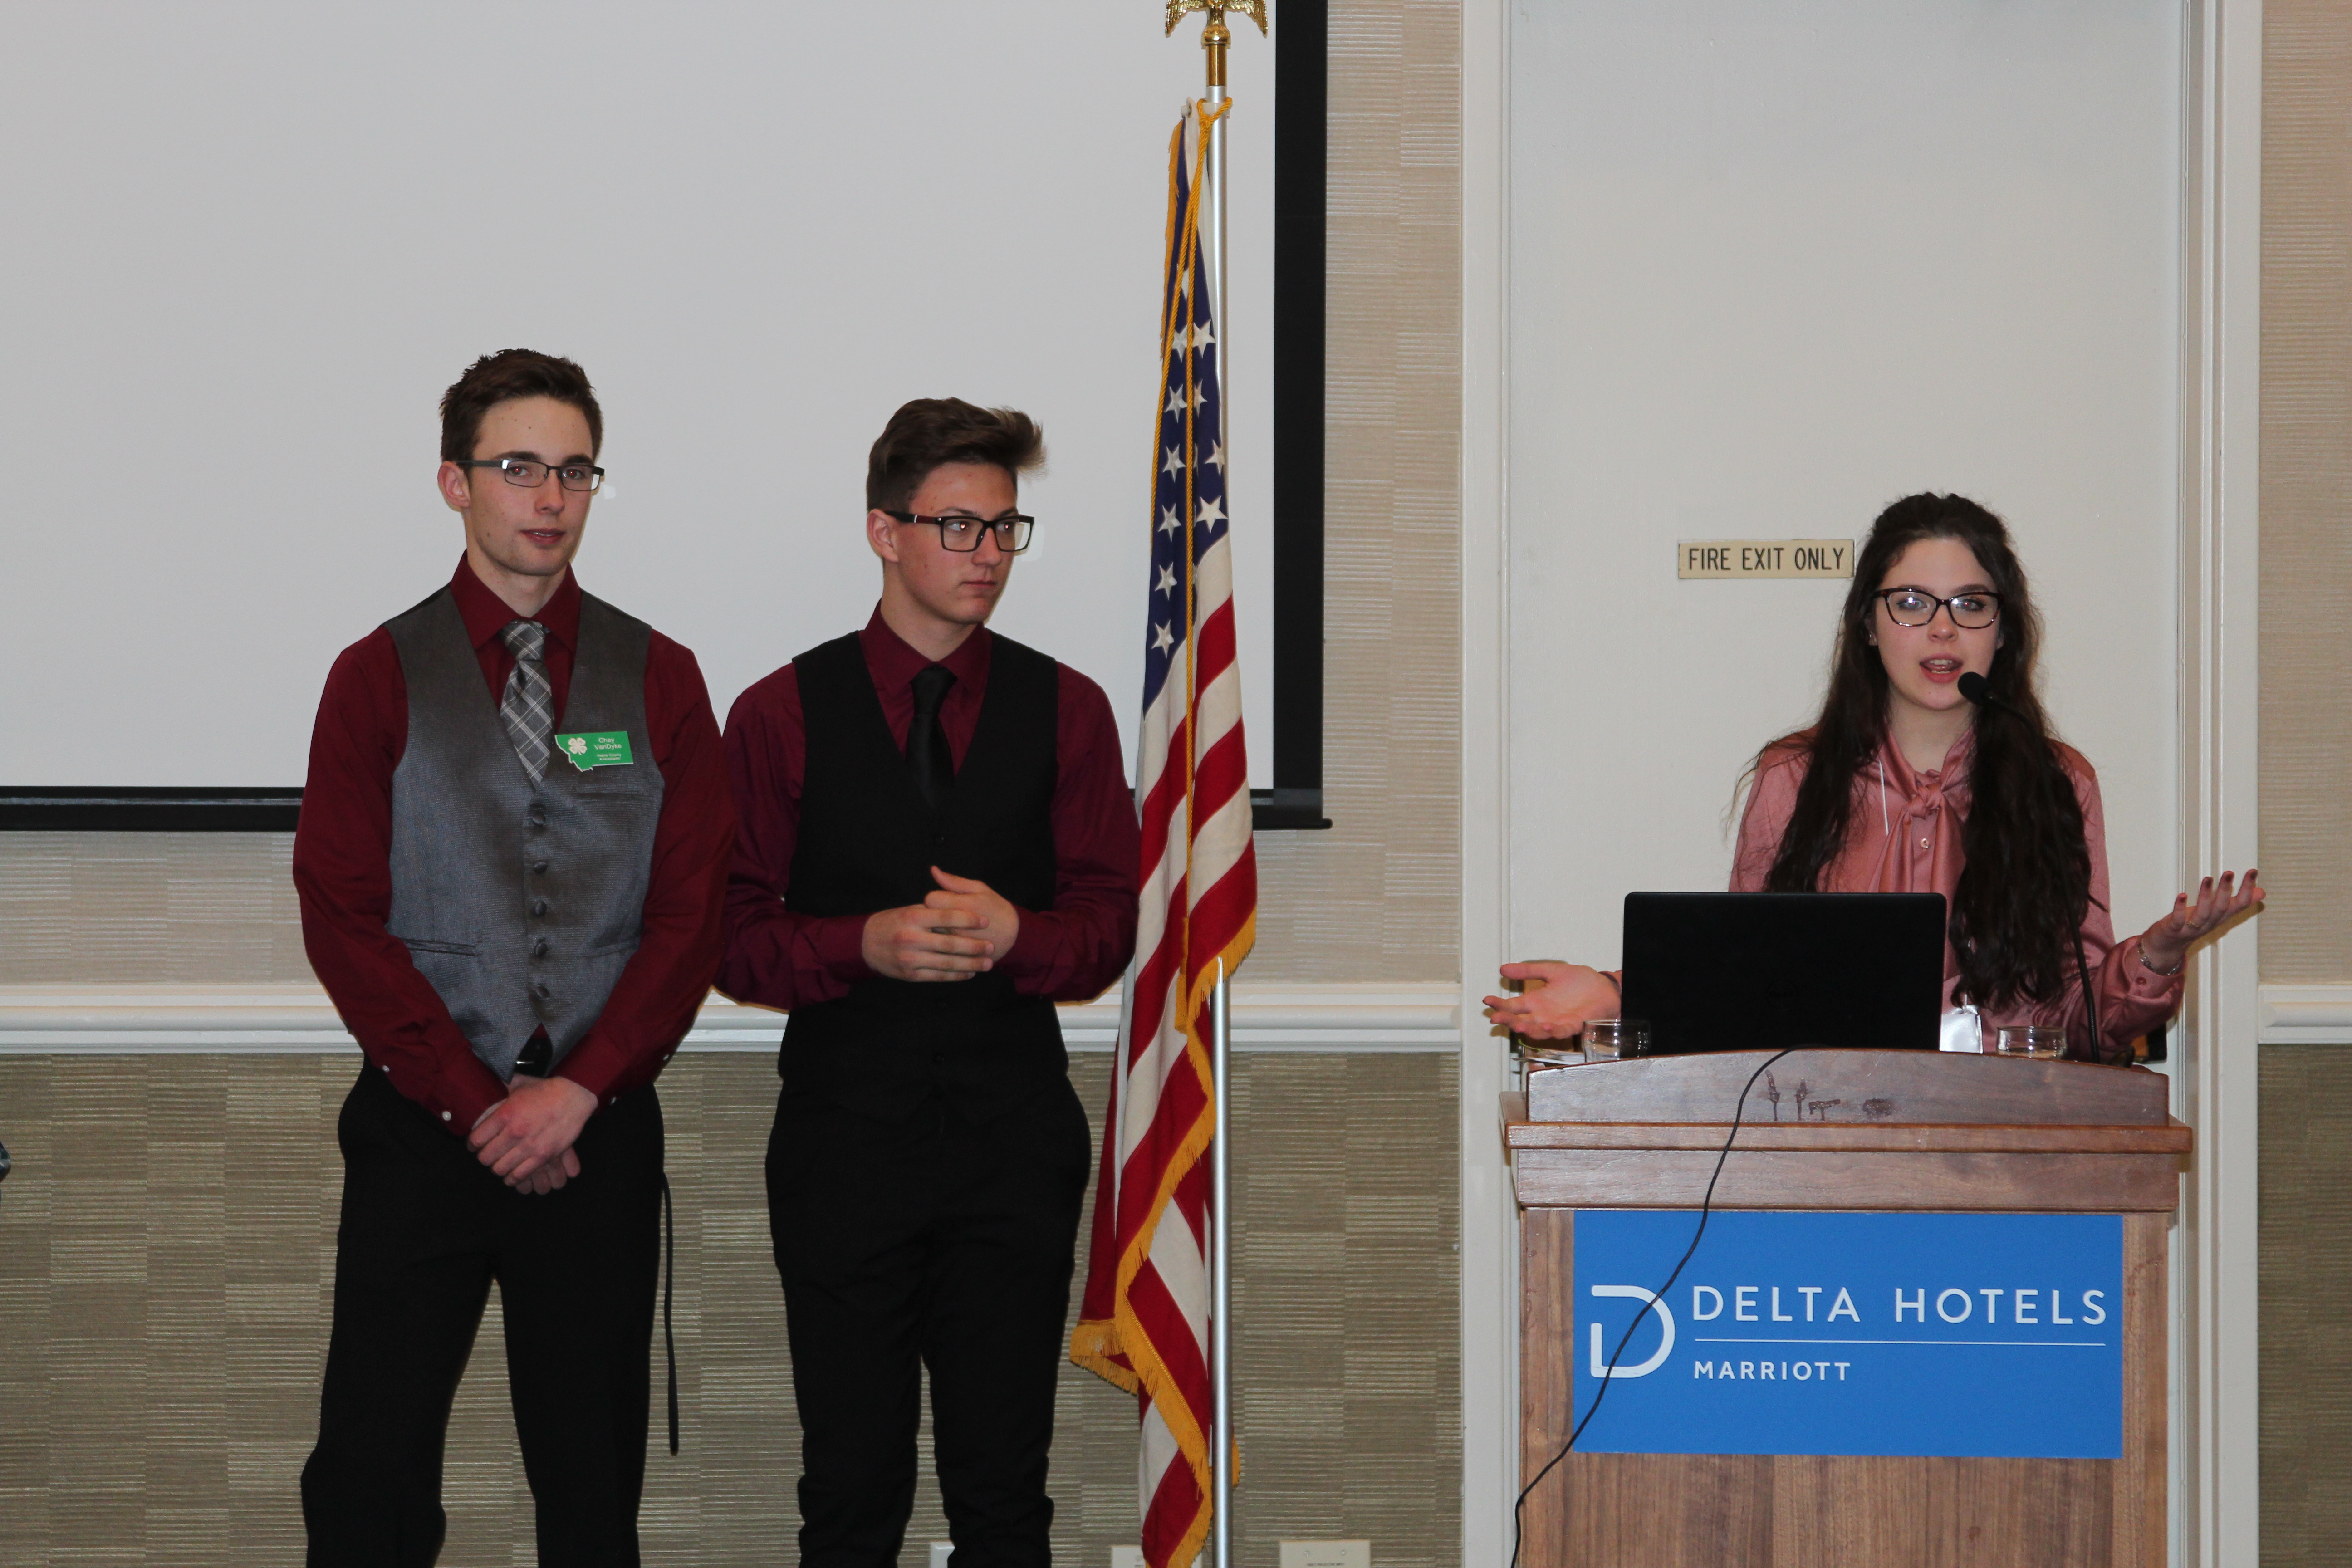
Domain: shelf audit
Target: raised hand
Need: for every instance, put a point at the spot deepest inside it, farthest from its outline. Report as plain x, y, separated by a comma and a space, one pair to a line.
1557, 1001
2166, 944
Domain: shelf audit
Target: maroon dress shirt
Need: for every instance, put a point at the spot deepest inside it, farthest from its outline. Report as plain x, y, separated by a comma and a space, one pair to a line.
342, 867
777, 958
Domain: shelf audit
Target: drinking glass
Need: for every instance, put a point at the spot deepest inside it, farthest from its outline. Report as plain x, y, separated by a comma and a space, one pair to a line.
2029, 1040
1613, 1039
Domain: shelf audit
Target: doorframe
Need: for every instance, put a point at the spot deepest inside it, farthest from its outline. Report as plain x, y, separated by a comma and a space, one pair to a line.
2216, 1480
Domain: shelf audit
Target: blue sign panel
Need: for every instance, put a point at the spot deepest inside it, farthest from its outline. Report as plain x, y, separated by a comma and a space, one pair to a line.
1935, 1334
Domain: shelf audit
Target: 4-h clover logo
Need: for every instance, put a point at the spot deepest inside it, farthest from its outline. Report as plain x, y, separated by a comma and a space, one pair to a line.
577, 745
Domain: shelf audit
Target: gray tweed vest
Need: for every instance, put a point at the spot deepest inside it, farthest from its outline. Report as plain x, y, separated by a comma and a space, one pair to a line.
521, 903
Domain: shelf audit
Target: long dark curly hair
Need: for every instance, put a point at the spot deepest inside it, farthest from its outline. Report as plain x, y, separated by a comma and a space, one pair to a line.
2026, 887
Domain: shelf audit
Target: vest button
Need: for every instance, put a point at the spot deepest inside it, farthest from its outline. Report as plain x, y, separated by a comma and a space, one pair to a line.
539, 868
539, 906
538, 947
540, 990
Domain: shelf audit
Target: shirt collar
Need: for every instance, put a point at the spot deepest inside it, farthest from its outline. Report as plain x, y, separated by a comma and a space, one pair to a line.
1911, 784
893, 664
485, 614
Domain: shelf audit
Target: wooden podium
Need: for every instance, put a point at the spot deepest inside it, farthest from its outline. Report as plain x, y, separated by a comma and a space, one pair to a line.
1904, 1130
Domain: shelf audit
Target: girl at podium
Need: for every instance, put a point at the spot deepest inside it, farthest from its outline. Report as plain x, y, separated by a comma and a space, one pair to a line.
1909, 783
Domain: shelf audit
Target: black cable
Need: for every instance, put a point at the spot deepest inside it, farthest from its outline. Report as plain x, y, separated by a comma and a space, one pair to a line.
1706, 1208
2090, 1001
669, 1288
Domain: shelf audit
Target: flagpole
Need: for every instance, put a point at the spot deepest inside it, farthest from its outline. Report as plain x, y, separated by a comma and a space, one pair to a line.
1221, 1277
1214, 38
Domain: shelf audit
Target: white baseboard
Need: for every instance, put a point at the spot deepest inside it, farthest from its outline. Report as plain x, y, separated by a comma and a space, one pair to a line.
125, 1020
2306, 1015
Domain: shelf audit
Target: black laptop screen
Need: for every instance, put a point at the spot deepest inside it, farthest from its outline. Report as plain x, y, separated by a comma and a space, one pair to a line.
1737, 972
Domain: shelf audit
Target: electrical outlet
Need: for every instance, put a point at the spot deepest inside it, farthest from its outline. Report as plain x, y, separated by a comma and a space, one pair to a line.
1327, 1554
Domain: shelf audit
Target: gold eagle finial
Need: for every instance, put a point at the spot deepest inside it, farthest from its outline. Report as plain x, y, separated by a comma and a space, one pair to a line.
1253, 9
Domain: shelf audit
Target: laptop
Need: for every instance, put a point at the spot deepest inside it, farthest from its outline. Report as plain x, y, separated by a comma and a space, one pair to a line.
1745, 971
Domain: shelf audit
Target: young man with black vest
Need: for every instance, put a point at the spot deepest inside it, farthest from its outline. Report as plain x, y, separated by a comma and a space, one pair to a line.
939, 841
512, 865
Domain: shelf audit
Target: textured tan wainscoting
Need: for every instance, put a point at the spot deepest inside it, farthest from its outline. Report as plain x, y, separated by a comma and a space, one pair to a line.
1378, 897
2306, 1281
166, 1258
2306, 489
2307, 758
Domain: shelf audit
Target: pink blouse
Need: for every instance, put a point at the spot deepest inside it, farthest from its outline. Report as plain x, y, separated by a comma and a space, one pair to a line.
1905, 837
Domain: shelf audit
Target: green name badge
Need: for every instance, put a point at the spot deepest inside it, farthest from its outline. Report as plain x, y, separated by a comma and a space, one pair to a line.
601, 749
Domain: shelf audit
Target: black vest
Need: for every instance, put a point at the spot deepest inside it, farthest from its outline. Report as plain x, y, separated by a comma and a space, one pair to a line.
868, 842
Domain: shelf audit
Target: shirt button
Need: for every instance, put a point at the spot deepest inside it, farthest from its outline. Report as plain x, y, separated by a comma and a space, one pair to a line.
1923, 843
445, 1116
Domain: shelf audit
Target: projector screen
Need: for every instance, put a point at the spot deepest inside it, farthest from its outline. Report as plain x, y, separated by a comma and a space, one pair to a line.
251, 243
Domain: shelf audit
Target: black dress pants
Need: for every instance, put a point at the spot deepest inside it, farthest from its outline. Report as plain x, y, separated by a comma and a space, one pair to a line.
425, 1227
940, 1241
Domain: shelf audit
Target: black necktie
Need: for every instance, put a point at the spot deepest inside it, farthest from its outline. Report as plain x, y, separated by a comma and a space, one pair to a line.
926, 739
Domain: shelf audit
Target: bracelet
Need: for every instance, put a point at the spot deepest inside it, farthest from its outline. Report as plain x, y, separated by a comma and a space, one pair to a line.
2152, 969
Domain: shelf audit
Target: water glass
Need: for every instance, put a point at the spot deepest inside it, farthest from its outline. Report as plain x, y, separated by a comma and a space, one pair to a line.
1613, 1039
2029, 1040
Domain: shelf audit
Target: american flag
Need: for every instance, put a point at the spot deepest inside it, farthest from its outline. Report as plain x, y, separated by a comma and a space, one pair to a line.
1144, 1324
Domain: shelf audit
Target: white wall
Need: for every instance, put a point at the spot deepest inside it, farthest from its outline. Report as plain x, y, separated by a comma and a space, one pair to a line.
249, 244
1769, 269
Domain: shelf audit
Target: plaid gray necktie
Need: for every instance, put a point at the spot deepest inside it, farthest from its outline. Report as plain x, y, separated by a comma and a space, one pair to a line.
528, 707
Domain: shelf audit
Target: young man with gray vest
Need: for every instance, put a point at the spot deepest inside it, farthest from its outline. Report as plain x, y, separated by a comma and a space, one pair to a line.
512, 864
939, 841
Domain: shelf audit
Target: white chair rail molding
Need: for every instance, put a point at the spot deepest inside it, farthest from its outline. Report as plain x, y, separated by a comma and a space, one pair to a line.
129, 1020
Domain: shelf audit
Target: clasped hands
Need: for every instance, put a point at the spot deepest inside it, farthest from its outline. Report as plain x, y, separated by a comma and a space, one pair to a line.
526, 1138
956, 932
1558, 997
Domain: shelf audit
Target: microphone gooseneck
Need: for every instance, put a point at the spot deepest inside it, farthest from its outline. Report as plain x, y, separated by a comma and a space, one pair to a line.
1978, 691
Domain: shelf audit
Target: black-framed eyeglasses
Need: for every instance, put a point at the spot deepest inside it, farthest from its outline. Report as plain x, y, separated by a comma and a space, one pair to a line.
963, 535
531, 473
1918, 607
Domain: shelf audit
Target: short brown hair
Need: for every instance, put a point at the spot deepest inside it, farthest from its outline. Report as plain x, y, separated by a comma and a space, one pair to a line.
930, 431
504, 377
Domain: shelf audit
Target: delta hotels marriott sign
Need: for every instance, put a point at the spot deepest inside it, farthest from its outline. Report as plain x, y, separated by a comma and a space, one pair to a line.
1939, 1334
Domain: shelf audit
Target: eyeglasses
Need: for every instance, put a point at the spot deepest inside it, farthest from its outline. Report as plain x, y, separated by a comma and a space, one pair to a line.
963, 535
530, 475
1918, 607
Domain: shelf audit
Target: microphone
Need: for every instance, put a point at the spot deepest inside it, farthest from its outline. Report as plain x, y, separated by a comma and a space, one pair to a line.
1978, 691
